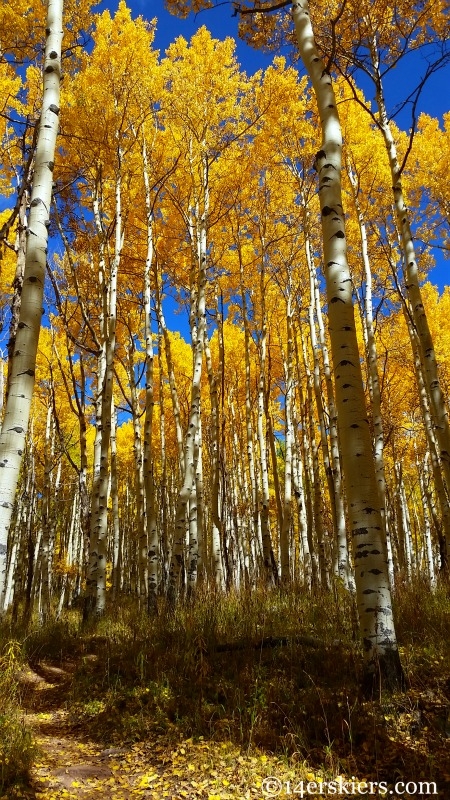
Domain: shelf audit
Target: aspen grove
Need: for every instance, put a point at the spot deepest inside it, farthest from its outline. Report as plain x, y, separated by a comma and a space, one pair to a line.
242, 372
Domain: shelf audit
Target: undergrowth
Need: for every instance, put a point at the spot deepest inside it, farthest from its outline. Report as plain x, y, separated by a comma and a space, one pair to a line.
16, 746
172, 676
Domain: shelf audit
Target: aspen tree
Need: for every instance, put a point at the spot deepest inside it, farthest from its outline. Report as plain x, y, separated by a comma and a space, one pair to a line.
218, 528
422, 472
198, 333
148, 471
285, 543
116, 549
256, 518
270, 565
306, 487
312, 451
18, 404
372, 358
428, 356
165, 338
334, 472
47, 541
372, 585
379, 38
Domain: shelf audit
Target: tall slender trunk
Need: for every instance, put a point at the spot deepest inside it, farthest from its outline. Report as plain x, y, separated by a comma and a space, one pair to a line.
116, 533
270, 565
442, 525
285, 535
255, 515
100, 490
21, 249
372, 355
148, 475
372, 583
313, 465
422, 472
427, 353
199, 232
18, 404
170, 373
47, 497
217, 522
141, 505
335, 472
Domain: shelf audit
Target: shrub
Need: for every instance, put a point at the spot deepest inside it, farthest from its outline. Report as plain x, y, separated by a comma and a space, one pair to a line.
16, 745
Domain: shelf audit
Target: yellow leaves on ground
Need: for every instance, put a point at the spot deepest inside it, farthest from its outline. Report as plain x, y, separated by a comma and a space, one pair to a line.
195, 770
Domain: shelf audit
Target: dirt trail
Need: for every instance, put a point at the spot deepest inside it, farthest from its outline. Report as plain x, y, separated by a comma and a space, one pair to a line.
72, 766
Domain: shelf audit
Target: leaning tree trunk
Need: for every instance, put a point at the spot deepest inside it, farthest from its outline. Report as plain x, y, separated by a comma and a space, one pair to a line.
372, 583
438, 407
21, 385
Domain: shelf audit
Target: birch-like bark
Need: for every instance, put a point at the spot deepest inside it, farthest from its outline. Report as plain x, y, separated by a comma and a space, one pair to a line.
422, 472
427, 353
116, 533
141, 504
218, 528
443, 524
91, 542
21, 385
245, 533
297, 477
21, 250
285, 535
99, 520
148, 473
198, 234
312, 452
372, 583
303, 447
47, 543
335, 476
164, 503
403, 532
66, 581
255, 515
372, 356
12, 566
270, 566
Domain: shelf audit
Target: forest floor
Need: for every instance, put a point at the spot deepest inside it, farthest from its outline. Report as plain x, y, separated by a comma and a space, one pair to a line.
70, 764
164, 708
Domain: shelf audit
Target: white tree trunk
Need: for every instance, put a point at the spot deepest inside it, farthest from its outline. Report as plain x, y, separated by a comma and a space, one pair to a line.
199, 229
17, 413
427, 353
372, 583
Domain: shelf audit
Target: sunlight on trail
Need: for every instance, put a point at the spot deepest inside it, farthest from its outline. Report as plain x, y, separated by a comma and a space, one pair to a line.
70, 765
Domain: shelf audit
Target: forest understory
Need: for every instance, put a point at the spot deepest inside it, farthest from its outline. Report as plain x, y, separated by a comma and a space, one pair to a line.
208, 701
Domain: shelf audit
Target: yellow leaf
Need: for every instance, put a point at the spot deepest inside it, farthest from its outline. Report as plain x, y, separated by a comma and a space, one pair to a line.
146, 779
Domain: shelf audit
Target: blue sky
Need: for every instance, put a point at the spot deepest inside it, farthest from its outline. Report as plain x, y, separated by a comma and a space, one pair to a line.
221, 23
